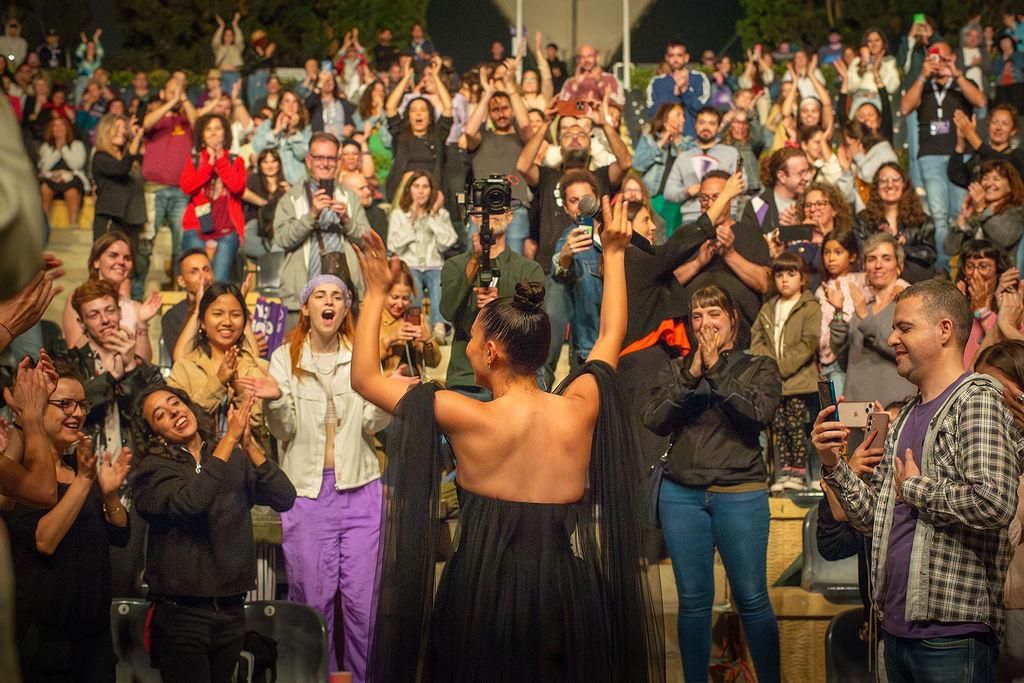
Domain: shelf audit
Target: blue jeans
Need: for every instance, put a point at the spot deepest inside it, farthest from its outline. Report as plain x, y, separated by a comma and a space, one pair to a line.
695, 522
559, 307
955, 659
223, 261
228, 79
169, 206
910, 126
834, 371
256, 86
254, 247
944, 200
429, 282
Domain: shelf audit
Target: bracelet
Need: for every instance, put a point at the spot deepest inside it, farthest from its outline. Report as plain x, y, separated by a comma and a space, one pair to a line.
7, 329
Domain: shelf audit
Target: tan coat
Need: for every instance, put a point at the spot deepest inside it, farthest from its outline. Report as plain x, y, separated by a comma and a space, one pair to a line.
392, 356
798, 362
196, 375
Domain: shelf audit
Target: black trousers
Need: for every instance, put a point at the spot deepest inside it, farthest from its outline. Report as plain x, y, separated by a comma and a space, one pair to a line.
196, 644
71, 657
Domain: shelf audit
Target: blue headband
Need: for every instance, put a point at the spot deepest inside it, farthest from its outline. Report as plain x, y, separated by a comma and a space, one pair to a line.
326, 280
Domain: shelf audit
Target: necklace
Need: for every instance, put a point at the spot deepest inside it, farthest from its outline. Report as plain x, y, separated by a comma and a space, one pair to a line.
332, 361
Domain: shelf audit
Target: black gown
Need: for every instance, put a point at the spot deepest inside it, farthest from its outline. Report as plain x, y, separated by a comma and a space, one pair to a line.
534, 591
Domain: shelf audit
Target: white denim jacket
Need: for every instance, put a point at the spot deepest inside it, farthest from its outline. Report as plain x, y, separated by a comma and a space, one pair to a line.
297, 420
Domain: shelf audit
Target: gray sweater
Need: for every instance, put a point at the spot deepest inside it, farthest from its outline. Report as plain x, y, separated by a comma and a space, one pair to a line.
862, 347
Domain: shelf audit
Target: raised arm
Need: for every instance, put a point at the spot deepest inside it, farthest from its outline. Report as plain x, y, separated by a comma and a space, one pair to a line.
547, 84
33, 481
442, 90
395, 96
366, 376
476, 120
614, 310
526, 165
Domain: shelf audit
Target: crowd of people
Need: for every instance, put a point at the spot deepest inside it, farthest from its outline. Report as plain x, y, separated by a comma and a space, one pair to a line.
758, 231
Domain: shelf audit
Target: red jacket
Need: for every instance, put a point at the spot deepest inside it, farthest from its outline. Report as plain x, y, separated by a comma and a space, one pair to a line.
195, 183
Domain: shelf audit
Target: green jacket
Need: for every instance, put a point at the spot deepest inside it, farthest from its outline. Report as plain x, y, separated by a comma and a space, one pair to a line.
798, 362
458, 303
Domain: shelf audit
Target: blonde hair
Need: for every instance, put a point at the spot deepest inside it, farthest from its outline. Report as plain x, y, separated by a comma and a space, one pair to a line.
105, 132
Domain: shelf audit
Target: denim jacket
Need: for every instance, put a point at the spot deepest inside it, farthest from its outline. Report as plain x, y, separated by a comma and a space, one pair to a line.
651, 160
583, 281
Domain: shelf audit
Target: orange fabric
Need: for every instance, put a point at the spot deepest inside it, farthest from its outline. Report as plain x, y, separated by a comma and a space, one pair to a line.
670, 331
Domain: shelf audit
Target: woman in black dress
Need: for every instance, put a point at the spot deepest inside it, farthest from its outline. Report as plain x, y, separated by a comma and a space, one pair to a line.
61, 554
535, 590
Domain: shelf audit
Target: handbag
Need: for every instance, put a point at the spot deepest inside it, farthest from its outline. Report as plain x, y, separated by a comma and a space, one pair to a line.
652, 487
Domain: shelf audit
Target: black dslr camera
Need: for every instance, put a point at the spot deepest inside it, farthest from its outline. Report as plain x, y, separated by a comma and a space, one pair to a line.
491, 195
486, 197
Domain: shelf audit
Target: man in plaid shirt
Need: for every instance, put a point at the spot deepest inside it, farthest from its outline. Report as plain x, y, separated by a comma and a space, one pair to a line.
939, 503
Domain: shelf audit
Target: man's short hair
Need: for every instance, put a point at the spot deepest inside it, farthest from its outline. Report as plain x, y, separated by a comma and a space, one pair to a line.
90, 291
674, 43
716, 173
324, 137
709, 110
576, 176
942, 299
194, 251
778, 160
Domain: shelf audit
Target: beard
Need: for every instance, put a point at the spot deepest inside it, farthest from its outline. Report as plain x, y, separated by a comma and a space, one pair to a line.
576, 158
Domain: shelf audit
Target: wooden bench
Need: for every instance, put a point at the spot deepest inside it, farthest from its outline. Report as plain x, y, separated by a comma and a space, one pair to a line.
59, 218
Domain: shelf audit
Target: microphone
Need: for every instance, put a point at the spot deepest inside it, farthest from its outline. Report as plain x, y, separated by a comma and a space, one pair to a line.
587, 209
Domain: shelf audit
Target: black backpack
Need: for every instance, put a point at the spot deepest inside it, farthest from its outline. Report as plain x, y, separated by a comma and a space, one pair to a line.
262, 652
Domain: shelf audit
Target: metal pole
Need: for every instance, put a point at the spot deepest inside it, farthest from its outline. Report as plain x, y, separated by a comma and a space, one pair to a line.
519, 37
627, 61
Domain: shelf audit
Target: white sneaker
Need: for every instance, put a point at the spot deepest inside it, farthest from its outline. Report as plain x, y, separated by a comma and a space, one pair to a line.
792, 483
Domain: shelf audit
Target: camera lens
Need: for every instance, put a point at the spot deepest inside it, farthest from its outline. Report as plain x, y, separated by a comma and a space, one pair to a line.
494, 199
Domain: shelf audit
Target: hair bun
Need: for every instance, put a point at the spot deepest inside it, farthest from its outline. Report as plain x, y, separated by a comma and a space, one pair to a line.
529, 297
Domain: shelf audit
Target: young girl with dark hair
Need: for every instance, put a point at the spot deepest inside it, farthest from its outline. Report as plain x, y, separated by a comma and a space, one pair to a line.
195, 490
839, 274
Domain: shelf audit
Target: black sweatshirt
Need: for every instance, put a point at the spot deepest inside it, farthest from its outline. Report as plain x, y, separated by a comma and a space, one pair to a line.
718, 417
200, 529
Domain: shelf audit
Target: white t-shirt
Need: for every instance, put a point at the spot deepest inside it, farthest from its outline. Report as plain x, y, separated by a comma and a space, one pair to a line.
782, 310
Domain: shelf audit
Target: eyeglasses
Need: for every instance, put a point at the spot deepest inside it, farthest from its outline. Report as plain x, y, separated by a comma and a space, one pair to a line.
985, 266
68, 405
707, 198
817, 205
327, 161
573, 136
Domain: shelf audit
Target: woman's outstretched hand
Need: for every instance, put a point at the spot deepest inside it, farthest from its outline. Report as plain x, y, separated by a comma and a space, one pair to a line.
373, 261
617, 231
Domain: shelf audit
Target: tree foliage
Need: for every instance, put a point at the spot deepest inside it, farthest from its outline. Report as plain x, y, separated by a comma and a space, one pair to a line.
807, 21
178, 34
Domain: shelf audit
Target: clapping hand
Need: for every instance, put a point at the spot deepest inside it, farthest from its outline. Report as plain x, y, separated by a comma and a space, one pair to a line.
85, 457
261, 387
112, 474
228, 366
238, 418
834, 295
30, 392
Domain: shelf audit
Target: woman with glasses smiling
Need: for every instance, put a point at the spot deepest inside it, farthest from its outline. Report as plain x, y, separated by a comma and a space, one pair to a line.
894, 208
61, 555
985, 276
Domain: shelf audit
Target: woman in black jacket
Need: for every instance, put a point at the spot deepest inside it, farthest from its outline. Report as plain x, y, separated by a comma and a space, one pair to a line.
195, 493
417, 140
120, 199
714, 403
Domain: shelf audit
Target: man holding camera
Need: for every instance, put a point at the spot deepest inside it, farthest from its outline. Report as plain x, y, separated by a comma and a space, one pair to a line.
315, 223
463, 294
935, 96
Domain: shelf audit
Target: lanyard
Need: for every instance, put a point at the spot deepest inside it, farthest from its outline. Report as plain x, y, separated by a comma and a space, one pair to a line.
939, 100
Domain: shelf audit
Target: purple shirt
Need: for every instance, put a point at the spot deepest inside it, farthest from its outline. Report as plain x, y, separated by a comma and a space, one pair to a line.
901, 537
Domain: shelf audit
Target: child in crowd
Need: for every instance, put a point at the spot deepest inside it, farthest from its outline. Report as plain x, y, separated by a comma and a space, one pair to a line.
788, 329
840, 257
